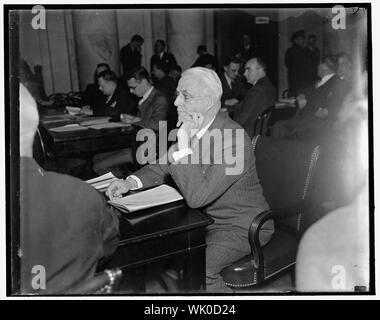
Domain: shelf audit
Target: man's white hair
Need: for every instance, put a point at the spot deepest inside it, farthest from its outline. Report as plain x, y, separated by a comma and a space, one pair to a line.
207, 81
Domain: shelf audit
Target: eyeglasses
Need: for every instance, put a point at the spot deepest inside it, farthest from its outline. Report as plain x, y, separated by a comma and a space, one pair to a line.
185, 95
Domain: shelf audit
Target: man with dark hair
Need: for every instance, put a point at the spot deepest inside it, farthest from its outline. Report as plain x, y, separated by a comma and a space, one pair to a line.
152, 108
175, 73
318, 104
92, 96
162, 56
258, 98
65, 225
232, 84
296, 61
118, 100
205, 59
130, 55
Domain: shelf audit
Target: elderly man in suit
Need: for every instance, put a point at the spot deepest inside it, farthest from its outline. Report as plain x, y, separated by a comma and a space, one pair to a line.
318, 105
200, 170
259, 97
65, 225
152, 108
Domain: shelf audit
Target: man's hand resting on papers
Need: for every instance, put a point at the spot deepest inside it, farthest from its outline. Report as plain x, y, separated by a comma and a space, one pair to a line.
118, 187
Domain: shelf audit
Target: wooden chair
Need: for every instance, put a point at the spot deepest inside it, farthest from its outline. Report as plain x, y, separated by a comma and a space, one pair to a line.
285, 169
102, 283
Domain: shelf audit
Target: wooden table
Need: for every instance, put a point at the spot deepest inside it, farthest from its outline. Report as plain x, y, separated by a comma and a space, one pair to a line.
171, 230
90, 141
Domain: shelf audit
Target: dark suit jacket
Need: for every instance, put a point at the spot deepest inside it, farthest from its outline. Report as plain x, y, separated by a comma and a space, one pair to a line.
92, 96
297, 63
66, 227
258, 98
237, 91
130, 59
153, 110
328, 96
120, 102
167, 58
230, 199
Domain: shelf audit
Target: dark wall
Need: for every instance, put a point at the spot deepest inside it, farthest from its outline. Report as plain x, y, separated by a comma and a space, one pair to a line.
230, 25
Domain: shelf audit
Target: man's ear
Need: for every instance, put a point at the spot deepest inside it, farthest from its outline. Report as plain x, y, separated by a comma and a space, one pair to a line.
225, 68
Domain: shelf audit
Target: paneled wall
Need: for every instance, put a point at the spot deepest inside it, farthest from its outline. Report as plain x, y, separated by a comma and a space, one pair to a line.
75, 41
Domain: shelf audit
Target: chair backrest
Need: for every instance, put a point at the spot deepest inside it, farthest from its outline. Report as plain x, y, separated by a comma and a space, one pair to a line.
285, 169
261, 122
102, 283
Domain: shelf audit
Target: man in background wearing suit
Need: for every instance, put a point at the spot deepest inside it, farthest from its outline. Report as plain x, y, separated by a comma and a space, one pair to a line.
232, 200
65, 225
318, 105
152, 108
232, 85
130, 55
162, 56
259, 97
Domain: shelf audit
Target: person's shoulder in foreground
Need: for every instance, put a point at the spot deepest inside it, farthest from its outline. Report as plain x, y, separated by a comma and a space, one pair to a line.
66, 228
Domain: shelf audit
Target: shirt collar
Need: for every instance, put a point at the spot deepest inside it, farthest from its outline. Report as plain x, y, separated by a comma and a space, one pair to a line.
201, 132
229, 80
161, 54
145, 96
325, 79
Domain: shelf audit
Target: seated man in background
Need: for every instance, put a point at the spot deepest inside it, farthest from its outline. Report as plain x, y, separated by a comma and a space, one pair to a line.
175, 73
66, 226
205, 59
232, 85
152, 108
318, 104
118, 100
231, 198
167, 86
92, 96
258, 98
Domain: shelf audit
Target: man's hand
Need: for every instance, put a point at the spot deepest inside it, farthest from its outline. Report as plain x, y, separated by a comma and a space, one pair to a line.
322, 113
190, 124
231, 102
301, 99
119, 187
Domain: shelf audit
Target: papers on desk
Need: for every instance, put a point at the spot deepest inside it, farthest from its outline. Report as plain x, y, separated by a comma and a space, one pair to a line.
73, 110
68, 128
101, 183
108, 125
147, 199
90, 121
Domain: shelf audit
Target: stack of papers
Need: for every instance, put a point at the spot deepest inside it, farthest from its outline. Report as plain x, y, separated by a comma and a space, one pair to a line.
68, 128
147, 199
94, 120
101, 183
108, 125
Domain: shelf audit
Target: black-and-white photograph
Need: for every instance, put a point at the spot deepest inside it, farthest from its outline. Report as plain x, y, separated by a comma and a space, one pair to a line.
189, 149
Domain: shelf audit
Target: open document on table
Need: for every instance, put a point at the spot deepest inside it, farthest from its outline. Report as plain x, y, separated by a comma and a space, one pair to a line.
102, 182
146, 199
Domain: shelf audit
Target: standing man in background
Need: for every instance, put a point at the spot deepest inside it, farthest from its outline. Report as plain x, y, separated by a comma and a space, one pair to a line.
130, 55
